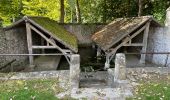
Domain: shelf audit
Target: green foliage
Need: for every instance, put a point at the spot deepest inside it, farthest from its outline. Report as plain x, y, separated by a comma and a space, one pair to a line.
9, 9
42, 8
92, 11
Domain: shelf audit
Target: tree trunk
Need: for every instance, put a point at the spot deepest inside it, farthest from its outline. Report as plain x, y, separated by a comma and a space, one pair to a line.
20, 8
104, 12
62, 11
140, 7
78, 14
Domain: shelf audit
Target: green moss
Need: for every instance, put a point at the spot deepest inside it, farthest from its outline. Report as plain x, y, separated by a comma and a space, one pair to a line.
53, 27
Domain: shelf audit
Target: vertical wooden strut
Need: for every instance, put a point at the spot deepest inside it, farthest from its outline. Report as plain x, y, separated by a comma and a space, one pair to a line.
29, 42
145, 39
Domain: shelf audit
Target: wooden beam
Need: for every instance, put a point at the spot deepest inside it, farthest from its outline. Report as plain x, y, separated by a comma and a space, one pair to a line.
127, 40
51, 42
29, 42
42, 43
134, 44
145, 39
67, 50
44, 47
48, 40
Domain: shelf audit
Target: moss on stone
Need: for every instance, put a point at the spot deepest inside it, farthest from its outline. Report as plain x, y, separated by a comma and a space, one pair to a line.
57, 30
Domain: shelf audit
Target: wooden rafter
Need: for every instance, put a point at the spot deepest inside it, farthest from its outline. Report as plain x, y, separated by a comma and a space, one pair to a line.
113, 50
43, 36
127, 42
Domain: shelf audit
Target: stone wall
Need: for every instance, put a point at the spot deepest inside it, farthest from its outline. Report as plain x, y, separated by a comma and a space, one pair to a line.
14, 41
84, 33
159, 41
2, 46
156, 43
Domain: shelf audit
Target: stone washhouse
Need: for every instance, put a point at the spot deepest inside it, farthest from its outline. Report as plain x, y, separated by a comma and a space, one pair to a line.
42, 44
38, 35
125, 35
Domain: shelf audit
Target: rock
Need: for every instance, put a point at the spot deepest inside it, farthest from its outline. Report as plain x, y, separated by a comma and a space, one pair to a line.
144, 75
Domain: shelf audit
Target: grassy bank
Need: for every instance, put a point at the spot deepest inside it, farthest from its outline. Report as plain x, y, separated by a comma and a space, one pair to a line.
37, 89
154, 87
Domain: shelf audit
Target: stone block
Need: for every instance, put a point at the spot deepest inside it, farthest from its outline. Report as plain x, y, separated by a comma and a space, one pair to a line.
120, 67
74, 71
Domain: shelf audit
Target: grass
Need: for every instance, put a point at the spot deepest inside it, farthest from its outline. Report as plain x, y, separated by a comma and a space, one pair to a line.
153, 89
39, 89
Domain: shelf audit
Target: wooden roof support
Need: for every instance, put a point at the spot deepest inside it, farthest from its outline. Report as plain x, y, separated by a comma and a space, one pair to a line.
48, 40
44, 47
134, 44
51, 42
29, 42
110, 55
145, 39
127, 40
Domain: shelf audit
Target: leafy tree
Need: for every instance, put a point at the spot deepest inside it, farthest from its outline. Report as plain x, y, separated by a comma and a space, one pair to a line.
85, 11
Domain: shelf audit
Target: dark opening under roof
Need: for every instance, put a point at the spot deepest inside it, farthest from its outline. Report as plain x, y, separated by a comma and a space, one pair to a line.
118, 29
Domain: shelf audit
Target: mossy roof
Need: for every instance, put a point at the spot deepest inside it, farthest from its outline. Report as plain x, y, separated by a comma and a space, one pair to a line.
118, 29
58, 32
52, 28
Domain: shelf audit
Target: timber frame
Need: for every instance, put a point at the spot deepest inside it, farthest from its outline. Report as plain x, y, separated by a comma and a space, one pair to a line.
120, 32
110, 53
50, 43
51, 33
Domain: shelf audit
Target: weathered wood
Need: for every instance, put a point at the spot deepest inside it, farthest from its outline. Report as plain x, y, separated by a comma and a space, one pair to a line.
52, 35
111, 54
42, 43
125, 41
107, 63
29, 42
48, 40
145, 39
67, 50
44, 47
98, 52
133, 44
51, 42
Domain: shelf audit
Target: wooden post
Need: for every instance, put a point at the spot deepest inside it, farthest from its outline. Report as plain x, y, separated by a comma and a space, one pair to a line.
107, 63
42, 43
145, 39
98, 52
29, 42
